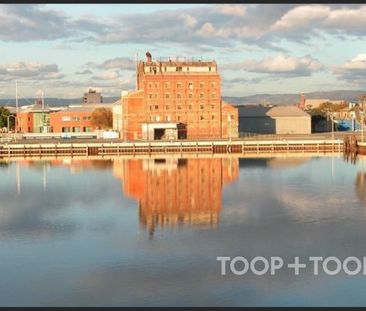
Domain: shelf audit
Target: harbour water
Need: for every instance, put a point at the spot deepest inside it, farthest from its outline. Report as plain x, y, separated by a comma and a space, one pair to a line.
146, 232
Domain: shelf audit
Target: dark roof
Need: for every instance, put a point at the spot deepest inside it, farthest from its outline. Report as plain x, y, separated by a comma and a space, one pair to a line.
277, 111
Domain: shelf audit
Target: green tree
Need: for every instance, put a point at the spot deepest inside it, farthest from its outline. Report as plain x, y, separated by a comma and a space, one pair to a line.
4, 113
102, 118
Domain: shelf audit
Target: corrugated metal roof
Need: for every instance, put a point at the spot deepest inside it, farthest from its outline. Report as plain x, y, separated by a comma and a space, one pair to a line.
277, 111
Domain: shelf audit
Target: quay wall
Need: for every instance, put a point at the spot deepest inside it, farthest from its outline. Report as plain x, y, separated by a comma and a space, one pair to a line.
183, 147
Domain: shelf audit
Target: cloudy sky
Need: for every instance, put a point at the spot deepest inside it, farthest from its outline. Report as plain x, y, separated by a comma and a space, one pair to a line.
260, 48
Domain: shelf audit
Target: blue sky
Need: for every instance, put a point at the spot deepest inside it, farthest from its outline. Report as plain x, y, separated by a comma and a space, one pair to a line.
64, 49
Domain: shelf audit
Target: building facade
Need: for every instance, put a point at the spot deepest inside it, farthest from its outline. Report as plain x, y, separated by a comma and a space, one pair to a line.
274, 120
75, 118
33, 119
92, 97
179, 99
72, 120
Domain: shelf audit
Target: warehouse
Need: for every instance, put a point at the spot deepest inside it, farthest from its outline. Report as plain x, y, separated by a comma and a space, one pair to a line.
273, 120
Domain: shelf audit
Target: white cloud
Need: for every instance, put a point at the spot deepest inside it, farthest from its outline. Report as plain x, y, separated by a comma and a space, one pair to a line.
353, 71
30, 71
108, 75
301, 16
189, 20
233, 9
281, 64
207, 29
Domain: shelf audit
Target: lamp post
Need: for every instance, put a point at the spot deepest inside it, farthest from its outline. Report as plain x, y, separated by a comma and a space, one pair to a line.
8, 122
229, 120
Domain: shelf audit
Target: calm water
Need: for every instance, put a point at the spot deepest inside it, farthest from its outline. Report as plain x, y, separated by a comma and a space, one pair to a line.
147, 232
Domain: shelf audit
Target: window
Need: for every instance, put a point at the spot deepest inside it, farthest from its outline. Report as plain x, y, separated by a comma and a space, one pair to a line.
202, 95
190, 107
178, 118
167, 85
164, 68
213, 106
178, 69
65, 118
151, 95
213, 84
213, 95
190, 85
151, 107
179, 107
167, 95
202, 118
167, 118
213, 117
156, 107
202, 107
179, 85
167, 107
65, 129
76, 129
179, 95
202, 85
150, 84
209, 68
190, 95
157, 118
156, 85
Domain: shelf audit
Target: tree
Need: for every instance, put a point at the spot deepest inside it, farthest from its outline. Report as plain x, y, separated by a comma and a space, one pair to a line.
102, 118
4, 113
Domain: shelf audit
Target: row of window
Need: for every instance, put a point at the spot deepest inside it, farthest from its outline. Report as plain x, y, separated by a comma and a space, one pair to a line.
76, 129
178, 69
180, 107
179, 118
179, 85
75, 118
180, 96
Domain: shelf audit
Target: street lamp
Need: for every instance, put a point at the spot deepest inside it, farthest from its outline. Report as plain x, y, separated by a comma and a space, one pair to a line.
229, 120
8, 121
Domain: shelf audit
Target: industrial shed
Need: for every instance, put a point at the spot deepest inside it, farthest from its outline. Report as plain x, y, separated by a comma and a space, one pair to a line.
274, 120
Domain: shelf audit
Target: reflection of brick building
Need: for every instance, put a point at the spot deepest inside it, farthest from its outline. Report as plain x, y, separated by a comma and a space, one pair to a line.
180, 191
177, 99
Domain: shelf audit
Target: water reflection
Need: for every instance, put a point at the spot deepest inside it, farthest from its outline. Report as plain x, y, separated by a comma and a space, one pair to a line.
170, 192
173, 192
78, 244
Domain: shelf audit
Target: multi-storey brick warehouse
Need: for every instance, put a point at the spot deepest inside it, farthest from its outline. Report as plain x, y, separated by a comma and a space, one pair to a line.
177, 99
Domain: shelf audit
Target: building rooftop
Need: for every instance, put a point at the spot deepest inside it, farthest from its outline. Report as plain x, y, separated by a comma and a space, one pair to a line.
276, 111
181, 63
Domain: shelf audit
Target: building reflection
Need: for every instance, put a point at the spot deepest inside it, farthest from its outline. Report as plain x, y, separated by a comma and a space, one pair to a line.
173, 192
170, 191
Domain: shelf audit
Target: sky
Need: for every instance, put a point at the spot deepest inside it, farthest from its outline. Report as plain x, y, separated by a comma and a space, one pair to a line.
64, 49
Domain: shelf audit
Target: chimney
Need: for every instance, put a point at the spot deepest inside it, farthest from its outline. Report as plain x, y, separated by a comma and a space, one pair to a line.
148, 57
302, 101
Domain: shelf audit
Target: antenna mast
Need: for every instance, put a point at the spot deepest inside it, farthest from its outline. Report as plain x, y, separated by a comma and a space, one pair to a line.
16, 106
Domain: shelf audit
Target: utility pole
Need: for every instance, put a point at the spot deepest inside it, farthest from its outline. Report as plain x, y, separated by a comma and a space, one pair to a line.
16, 106
43, 123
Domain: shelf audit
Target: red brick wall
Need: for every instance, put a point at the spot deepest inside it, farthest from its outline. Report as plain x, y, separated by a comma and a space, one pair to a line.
168, 98
57, 124
24, 122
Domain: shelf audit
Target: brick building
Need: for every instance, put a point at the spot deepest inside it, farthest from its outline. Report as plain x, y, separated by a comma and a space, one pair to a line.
177, 99
33, 119
76, 119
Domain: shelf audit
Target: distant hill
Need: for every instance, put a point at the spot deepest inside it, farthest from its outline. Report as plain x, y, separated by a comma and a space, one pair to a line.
52, 101
290, 99
274, 99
